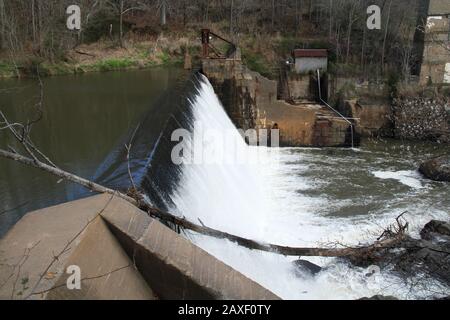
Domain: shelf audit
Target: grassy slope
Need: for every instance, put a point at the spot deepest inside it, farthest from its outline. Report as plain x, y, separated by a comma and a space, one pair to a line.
100, 57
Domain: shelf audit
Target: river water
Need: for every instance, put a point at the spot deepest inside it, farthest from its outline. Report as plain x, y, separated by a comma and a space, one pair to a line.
295, 197
305, 197
84, 118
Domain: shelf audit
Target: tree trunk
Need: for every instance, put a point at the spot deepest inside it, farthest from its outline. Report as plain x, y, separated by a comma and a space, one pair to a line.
363, 50
2, 25
64, 175
121, 24
273, 15
330, 31
349, 32
167, 217
385, 36
184, 13
284, 250
310, 10
231, 16
163, 12
33, 22
297, 16
207, 13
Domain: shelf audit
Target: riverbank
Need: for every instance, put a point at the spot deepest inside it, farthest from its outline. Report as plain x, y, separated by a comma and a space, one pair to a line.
101, 56
260, 53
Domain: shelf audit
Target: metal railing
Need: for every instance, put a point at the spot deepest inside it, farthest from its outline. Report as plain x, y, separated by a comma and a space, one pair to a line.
334, 110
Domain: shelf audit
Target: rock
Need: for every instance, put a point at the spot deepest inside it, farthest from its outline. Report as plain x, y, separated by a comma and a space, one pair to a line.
435, 228
379, 297
437, 169
430, 258
306, 266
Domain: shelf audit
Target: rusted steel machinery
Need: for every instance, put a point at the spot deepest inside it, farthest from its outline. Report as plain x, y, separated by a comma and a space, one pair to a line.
210, 51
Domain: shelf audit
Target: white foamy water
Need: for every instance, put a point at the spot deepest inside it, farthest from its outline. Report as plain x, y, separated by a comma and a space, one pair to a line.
409, 178
274, 201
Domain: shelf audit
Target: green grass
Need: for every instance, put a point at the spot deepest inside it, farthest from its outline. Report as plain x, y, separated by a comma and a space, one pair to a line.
164, 57
168, 60
6, 69
29, 66
57, 69
114, 64
445, 91
256, 62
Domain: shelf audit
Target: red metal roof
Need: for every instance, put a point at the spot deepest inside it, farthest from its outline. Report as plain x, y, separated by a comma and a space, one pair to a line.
310, 53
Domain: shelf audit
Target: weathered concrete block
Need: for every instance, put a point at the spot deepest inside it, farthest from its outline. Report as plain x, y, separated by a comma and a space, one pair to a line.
107, 272
174, 267
372, 119
73, 233
140, 259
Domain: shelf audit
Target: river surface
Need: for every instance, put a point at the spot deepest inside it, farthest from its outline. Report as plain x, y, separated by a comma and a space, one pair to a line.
296, 197
84, 118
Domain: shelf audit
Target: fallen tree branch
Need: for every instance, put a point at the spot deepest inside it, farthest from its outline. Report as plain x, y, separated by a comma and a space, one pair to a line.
64, 285
84, 53
284, 250
128, 148
64, 175
137, 200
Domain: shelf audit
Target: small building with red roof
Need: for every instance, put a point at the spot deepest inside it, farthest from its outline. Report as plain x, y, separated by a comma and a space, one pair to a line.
306, 60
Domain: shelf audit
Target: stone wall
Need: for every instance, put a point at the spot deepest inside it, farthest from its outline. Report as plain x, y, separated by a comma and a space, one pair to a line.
421, 118
231, 85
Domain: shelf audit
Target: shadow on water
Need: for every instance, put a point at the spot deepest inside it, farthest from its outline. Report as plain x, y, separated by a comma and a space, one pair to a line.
84, 119
151, 166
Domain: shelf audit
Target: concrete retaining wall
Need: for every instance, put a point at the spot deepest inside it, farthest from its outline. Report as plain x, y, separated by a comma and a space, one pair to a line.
251, 102
121, 252
373, 119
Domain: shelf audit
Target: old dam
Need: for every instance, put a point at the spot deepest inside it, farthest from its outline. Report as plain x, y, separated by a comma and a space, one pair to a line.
297, 195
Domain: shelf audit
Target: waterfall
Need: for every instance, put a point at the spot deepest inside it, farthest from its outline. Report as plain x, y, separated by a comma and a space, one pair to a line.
261, 198
228, 194
232, 196
274, 195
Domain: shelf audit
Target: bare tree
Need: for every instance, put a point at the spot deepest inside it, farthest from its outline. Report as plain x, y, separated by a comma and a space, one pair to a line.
163, 9
352, 18
386, 30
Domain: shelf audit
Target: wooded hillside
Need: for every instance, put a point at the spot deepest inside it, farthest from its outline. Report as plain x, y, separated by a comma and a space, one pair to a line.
38, 27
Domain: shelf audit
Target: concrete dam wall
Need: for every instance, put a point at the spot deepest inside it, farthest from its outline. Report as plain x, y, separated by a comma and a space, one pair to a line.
251, 102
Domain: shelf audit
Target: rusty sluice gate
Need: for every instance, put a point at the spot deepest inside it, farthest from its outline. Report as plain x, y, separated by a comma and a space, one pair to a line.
207, 35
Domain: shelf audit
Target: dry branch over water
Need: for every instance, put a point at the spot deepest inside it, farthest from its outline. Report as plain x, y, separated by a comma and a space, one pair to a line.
388, 240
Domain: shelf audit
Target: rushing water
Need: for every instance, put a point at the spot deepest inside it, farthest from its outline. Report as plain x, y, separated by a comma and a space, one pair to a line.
307, 197
292, 196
